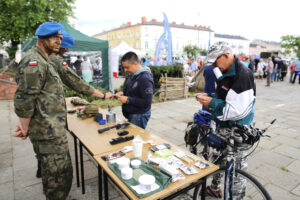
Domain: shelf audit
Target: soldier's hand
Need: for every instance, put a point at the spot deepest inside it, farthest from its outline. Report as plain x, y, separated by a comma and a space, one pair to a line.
123, 99
21, 133
109, 95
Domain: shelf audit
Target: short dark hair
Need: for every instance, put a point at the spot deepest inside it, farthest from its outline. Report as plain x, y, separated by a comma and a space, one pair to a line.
130, 57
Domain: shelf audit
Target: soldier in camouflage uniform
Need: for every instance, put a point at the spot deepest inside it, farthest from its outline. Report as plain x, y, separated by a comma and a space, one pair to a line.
40, 104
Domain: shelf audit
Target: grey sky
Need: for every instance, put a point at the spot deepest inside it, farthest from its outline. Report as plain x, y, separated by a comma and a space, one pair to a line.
253, 19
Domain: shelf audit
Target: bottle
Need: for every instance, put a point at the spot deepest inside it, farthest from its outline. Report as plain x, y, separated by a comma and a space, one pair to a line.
137, 144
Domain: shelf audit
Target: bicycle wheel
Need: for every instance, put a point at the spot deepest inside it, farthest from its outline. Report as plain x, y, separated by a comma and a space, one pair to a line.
253, 190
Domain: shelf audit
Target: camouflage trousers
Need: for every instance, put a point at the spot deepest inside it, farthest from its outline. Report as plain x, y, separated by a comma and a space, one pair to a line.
240, 183
56, 165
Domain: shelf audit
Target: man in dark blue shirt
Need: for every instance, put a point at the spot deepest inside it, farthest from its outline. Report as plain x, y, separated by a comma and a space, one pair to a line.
138, 91
210, 81
278, 69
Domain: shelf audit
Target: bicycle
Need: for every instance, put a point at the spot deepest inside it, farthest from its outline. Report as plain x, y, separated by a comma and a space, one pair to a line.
227, 149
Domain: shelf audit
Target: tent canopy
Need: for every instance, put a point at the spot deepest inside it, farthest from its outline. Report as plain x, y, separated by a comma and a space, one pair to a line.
123, 48
82, 43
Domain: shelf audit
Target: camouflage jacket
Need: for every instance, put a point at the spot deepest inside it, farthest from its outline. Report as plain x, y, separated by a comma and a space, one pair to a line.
69, 77
40, 95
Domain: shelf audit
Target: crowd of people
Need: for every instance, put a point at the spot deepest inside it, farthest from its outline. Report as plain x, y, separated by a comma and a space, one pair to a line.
87, 68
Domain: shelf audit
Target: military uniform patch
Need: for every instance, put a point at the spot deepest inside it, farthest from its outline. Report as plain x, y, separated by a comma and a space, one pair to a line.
135, 84
33, 63
65, 63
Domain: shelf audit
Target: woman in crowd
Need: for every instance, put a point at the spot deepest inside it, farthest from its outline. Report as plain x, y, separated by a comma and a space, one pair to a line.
87, 70
260, 69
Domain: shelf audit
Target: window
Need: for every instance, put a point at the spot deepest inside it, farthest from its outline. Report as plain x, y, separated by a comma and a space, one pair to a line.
146, 45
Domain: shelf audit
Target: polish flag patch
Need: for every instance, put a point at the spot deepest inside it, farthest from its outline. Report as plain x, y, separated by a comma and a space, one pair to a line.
65, 63
33, 63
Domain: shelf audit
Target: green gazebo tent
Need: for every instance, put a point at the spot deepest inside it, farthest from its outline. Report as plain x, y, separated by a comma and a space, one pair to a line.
82, 43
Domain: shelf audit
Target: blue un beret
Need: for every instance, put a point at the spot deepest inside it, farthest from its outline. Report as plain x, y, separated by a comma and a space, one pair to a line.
67, 41
49, 28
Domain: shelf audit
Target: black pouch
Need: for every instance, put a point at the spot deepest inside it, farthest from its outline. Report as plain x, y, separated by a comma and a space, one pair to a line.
215, 141
192, 132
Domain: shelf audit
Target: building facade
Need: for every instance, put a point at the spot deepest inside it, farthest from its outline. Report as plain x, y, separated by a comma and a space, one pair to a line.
259, 46
145, 35
239, 45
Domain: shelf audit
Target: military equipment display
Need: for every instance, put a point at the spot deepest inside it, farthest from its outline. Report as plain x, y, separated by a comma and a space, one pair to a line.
118, 126
89, 111
120, 140
76, 101
110, 116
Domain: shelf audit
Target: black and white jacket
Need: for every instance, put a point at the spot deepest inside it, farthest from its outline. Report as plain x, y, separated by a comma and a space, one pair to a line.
235, 96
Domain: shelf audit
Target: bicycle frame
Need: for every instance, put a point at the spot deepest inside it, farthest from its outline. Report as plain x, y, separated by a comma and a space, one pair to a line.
230, 165
229, 181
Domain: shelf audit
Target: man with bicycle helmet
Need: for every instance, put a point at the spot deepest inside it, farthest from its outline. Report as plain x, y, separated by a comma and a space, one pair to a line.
233, 101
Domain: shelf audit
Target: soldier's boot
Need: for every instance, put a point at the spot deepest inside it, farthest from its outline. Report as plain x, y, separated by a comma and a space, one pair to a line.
38, 172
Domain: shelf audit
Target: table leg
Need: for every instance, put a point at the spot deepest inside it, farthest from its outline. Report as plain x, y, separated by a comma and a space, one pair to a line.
82, 168
203, 194
76, 160
105, 186
100, 182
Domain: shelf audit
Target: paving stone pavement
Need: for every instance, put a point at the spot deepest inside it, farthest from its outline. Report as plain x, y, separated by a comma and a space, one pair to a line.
275, 163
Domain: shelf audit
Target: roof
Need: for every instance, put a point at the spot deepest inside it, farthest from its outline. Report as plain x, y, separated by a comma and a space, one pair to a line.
156, 23
235, 37
266, 42
257, 45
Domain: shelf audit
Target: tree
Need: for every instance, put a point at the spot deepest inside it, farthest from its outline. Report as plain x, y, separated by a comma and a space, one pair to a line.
193, 51
291, 43
20, 18
203, 52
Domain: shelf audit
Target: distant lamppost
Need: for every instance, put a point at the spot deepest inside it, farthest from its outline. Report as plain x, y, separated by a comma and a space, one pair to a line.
198, 27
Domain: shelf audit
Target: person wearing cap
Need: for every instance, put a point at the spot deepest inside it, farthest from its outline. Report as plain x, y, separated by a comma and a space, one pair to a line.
40, 105
233, 101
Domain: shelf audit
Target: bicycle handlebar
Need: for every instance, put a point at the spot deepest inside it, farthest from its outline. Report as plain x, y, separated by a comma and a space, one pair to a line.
240, 126
251, 134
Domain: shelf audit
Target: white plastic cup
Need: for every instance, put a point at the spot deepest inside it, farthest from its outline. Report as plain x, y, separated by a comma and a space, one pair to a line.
146, 181
123, 163
137, 144
135, 164
126, 173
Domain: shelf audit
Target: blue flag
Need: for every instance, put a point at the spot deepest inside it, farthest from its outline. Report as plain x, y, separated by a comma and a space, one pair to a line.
164, 43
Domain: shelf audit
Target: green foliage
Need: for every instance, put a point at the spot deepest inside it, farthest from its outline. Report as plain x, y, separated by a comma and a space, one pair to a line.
192, 51
291, 43
7, 71
20, 18
169, 70
203, 52
105, 103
